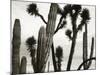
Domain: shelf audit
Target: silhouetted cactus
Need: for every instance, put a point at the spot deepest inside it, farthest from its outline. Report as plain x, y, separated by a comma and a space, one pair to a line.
16, 41
51, 26
23, 65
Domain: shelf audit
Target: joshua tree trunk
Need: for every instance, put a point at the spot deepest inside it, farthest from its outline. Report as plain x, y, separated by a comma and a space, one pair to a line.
16, 47
72, 51
23, 65
73, 42
84, 50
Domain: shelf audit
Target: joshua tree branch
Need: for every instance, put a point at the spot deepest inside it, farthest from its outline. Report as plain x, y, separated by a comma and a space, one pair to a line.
42, 18
52, 47
93, 58
61, 18
80, 25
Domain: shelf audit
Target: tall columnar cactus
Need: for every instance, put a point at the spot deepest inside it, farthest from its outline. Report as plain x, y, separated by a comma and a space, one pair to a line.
51, 26
16, 41
23, 65
45, 42
41, 50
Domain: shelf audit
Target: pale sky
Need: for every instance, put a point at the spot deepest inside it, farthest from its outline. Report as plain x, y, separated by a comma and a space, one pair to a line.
30, 26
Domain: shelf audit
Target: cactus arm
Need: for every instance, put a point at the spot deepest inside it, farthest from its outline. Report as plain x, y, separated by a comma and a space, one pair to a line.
91, 53
23, 65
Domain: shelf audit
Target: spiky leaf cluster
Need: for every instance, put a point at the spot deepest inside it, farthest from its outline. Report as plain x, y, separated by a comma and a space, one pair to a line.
59, 53
32, 9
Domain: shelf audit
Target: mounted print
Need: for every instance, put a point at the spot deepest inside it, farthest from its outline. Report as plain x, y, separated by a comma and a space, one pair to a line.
52, 37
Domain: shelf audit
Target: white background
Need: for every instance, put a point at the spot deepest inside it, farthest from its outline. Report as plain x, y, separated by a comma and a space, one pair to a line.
5, 36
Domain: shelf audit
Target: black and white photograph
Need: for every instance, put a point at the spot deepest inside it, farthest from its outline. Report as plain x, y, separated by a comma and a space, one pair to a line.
52, 37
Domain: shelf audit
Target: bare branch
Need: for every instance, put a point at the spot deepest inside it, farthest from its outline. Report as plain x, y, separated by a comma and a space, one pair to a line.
42, 18
93, 58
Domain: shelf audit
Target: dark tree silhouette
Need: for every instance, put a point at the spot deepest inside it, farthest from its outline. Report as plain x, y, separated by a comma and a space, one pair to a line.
74, 13
59, 55
33, 10
30, 42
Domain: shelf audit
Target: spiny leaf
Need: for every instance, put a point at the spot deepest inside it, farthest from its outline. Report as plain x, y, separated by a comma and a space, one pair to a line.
59, 52
30, 41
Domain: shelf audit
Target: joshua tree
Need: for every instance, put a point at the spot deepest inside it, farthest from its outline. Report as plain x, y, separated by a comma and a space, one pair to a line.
16, 41
33, 10
59, 55
75, 11
88, 60
30, 42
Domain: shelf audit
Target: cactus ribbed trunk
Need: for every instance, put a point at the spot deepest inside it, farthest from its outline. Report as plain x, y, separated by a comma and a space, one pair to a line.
51, 27
41, 50
16, 47
85, 47
23, 65
45, 39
